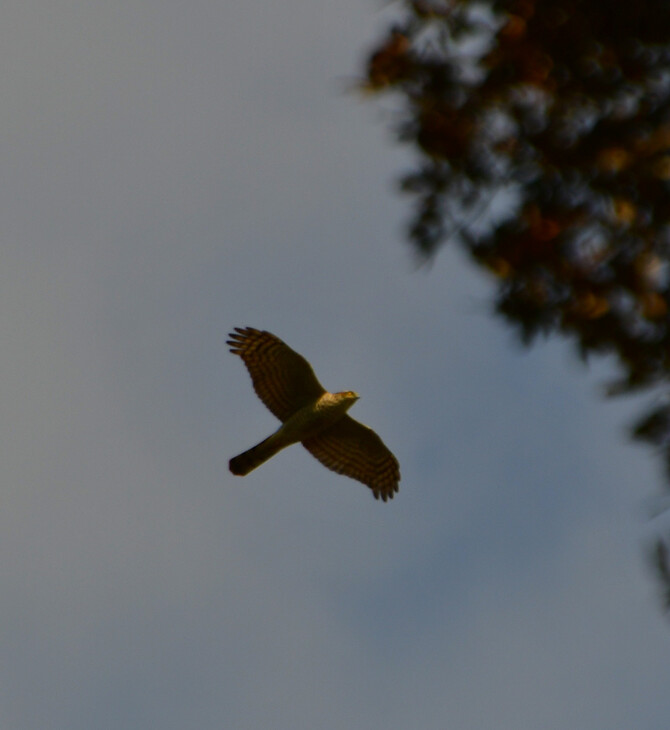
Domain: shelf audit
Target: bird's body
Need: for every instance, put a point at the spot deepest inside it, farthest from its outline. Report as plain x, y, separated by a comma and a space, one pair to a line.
286, 383
308, 421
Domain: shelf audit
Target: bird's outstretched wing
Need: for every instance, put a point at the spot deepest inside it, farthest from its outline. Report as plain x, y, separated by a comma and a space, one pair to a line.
350, 448
282, 378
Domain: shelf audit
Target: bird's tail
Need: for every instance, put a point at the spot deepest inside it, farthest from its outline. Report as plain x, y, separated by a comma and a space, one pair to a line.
255, 456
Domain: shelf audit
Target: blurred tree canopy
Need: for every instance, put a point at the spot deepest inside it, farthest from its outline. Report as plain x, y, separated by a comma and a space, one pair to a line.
542, 130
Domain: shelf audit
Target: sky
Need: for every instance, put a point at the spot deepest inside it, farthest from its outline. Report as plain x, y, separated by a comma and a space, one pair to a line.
172, 170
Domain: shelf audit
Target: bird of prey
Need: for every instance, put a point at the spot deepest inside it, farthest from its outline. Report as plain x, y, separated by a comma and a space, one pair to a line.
286, 384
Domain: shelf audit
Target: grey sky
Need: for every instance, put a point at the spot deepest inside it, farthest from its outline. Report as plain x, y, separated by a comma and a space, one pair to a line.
171, 170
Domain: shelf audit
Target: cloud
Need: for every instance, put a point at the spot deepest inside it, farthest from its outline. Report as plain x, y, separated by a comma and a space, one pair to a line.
175, 171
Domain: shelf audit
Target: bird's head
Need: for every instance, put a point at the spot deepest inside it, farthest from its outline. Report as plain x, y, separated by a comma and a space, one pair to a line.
347, 398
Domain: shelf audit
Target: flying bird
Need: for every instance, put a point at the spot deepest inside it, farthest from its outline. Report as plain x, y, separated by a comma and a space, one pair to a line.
310, 415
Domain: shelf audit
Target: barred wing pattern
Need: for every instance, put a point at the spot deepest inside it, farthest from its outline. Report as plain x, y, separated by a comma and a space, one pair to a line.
282, 378
350, 448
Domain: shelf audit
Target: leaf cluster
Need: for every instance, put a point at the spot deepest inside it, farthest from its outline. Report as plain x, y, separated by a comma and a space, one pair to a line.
542, 133
542, 136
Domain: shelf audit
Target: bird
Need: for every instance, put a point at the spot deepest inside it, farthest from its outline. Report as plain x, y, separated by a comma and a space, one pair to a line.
285, 382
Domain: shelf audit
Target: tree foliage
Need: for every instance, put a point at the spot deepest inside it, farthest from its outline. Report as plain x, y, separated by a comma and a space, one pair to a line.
542, 131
